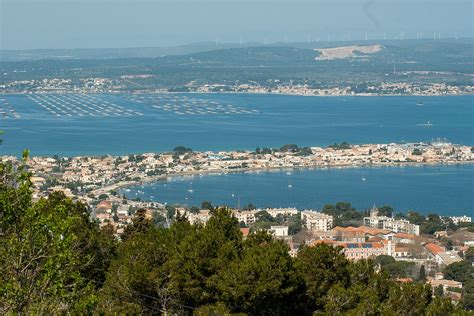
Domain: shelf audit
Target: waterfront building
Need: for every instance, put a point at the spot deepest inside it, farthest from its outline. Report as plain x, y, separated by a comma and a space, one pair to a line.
274, 212
460, 219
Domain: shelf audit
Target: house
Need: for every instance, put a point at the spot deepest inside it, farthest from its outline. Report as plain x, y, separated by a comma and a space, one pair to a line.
104, 207
446, 284
404, 238
357, 251
442, 256
279, 231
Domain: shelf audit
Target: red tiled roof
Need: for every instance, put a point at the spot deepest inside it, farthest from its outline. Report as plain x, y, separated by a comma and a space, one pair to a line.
323, 241
245, 231
361, 230
434, 248
404, 236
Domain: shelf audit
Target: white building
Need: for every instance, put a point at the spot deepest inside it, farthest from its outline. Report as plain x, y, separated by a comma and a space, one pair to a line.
313, 220
274, 212
247, 217
389, 223
460, 219
279, 231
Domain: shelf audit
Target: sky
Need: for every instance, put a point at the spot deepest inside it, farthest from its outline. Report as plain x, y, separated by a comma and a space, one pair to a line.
47, 24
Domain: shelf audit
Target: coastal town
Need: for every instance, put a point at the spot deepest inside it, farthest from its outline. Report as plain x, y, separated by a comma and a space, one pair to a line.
89, 177
97, 181
125, 84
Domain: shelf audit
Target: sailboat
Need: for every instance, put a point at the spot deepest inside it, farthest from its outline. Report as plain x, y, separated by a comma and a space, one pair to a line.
190, 188
363, 177
289, 185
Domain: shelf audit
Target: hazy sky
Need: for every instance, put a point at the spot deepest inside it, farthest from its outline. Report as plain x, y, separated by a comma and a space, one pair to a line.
26, 24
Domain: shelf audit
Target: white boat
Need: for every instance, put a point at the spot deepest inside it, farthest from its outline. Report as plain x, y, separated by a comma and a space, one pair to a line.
190, 188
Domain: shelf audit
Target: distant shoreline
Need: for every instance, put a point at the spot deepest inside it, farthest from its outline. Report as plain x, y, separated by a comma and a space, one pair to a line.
245, 93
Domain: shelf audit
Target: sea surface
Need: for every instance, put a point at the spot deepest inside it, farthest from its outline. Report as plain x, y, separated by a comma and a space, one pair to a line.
75, 124
70, 125
446, 190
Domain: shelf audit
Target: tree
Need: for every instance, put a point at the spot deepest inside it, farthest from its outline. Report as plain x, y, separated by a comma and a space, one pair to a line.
262, 281
181, 150
439, 291
53, 258
140, 224
396, 269
385, 210
249, 207
408, 299
138, 281
468, 294
415, 218
469, 255
422, 274
263, 216
461, 271
206, 205
321, 267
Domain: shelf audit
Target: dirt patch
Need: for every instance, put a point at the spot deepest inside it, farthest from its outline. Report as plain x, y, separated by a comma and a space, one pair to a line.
343, 52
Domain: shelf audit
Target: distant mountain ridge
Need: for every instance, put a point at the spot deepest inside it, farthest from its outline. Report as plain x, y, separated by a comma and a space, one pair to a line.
445, 46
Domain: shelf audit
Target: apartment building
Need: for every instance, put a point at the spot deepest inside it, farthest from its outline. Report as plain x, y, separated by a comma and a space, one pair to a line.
313, 220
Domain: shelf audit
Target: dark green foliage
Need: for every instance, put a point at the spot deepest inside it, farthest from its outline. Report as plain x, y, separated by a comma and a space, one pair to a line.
417, 152
468, 294
344, 214
53, 258
331, 267
181, 150
341, 146
140, 224
206, 205
469, 255
385, 210
396, 269
422, 274
461, 271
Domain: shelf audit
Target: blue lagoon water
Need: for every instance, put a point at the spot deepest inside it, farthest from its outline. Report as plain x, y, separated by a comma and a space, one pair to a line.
253, 120
70, 125
446, 189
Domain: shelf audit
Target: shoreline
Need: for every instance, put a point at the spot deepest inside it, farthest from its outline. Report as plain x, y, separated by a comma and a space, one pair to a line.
131, 92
